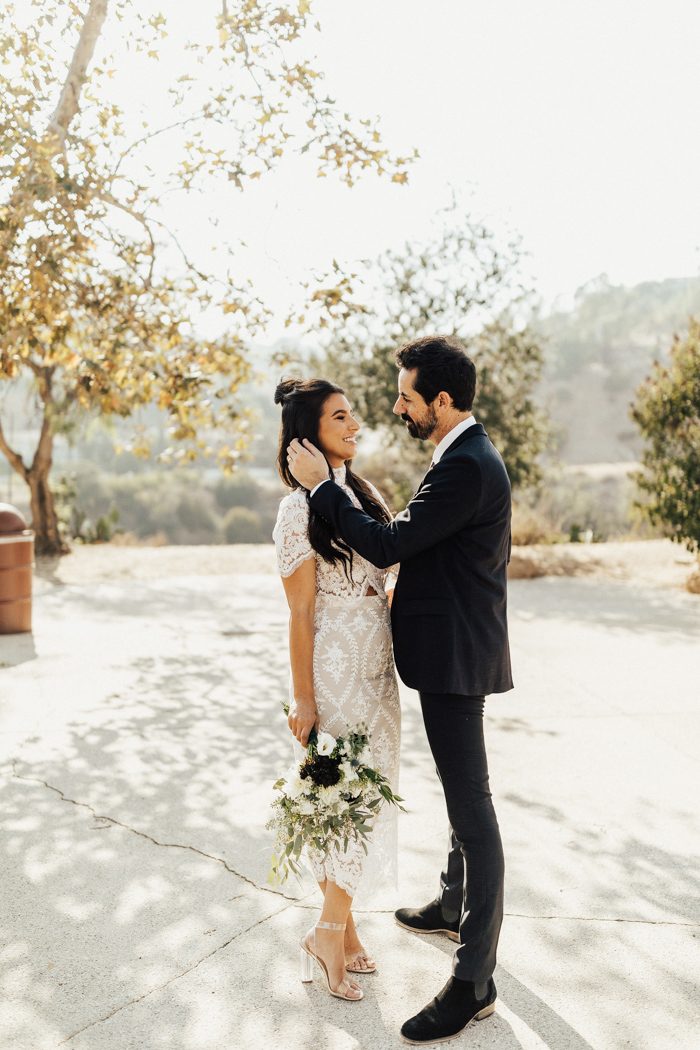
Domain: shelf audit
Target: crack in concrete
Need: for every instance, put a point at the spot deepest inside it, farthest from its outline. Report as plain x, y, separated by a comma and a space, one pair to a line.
149, 838
598, 918
521, 915
175, 977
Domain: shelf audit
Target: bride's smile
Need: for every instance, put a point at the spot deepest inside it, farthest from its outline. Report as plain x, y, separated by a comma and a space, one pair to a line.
337, 430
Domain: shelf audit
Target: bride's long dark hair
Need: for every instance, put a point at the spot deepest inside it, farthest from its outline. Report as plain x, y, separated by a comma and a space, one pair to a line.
302, 402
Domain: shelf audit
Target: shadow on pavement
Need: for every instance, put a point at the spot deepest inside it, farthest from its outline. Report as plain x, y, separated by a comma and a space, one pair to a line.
611, 605
185, 755
16, 649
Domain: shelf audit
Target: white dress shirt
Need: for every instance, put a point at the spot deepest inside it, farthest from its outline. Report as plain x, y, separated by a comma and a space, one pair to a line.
451, 435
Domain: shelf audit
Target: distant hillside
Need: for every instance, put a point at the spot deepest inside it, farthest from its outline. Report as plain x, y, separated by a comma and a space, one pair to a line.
599, 352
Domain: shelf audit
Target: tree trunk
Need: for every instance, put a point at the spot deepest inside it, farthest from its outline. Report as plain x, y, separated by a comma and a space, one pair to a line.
69, 101
44, 519
23, 197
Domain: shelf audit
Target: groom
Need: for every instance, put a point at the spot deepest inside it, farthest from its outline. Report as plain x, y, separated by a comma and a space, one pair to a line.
451, 644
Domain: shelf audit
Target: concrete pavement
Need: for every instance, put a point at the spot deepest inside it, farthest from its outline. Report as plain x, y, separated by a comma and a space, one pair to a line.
140, 732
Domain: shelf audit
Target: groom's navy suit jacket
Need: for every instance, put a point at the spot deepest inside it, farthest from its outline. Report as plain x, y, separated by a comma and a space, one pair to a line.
453, 542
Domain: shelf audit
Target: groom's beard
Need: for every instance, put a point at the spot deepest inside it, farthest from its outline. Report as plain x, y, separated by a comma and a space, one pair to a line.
424, 428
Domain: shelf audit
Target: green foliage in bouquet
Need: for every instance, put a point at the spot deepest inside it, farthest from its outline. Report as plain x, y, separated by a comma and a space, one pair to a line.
329, 800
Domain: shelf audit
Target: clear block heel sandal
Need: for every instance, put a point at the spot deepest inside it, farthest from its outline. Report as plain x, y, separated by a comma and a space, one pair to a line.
306, 964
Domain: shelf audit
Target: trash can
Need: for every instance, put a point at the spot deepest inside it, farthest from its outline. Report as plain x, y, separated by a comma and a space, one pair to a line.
16, 561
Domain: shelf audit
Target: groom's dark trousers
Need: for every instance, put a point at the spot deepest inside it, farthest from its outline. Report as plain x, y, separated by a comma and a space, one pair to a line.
451, 645
471, 883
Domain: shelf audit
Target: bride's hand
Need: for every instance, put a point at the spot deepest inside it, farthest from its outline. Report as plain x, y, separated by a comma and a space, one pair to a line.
302, 718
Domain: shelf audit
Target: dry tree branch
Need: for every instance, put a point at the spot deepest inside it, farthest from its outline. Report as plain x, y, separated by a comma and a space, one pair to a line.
70, 94
13, 458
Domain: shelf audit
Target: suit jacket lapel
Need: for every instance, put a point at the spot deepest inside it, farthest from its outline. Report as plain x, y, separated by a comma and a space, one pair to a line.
472, 431
421, 483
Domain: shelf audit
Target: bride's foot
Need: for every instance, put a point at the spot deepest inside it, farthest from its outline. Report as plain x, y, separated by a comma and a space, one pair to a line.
357, 959
324, 943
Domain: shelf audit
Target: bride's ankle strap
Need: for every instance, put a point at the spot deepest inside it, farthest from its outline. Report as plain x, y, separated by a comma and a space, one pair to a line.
330, 925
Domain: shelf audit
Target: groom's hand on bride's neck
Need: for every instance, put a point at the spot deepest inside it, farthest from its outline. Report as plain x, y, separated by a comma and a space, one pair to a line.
306, 463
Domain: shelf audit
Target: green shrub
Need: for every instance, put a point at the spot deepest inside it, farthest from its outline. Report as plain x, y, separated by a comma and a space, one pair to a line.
530, 526
242, 525
238, 491
667, 411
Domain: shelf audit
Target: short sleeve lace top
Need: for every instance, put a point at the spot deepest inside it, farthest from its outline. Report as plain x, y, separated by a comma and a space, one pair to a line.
291, 536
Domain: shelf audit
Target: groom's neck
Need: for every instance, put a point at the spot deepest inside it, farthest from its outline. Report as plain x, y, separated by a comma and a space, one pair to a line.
445, 426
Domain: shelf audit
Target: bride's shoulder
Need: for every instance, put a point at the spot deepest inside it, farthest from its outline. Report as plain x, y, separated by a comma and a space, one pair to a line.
295, 498
293, 507
291, 532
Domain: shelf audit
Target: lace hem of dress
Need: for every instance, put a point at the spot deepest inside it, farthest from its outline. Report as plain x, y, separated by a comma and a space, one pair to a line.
357, 872
290, 569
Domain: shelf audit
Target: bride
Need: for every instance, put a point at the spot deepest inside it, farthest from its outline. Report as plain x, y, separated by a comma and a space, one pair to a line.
342, 670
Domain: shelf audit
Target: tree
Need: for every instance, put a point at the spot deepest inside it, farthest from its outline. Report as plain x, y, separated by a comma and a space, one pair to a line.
101, 305
242, 525
461, 282
667, 411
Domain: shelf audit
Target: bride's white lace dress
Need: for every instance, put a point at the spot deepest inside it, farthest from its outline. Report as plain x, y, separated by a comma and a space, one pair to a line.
354, 681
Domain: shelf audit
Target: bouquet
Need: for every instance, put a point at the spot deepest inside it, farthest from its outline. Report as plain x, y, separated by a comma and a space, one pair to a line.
331, 798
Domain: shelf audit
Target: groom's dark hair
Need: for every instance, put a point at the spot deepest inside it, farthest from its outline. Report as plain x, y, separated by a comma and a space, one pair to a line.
441, 363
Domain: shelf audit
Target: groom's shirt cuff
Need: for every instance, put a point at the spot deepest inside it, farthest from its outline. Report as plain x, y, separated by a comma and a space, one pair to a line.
317, 487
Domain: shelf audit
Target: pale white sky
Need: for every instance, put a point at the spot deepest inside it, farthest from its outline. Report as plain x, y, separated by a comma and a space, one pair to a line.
576, 124
579, 124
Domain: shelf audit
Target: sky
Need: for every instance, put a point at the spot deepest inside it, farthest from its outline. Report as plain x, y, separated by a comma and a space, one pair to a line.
573, 124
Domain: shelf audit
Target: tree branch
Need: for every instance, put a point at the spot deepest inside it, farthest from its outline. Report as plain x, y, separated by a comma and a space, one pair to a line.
12, 457
107, 198
24, 194
199, 115
145, 221
82, 56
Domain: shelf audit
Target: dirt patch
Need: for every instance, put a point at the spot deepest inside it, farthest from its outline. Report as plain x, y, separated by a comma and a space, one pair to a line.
97, 562
657, 562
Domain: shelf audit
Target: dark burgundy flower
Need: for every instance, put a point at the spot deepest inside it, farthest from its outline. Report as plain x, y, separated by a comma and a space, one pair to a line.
322, 769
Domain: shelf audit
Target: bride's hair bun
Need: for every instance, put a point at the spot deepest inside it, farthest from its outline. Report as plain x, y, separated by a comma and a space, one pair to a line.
284, 389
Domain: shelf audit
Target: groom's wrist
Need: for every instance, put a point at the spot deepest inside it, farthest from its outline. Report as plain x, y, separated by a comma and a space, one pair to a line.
317, 487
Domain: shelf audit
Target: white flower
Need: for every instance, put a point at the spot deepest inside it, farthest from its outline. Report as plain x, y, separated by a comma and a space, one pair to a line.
365, 756
325, 744
347, 771
295, 786
329, 795
306, 807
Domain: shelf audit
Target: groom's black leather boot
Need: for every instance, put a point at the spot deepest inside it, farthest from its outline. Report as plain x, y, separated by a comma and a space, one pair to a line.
427, 919
451, 1011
